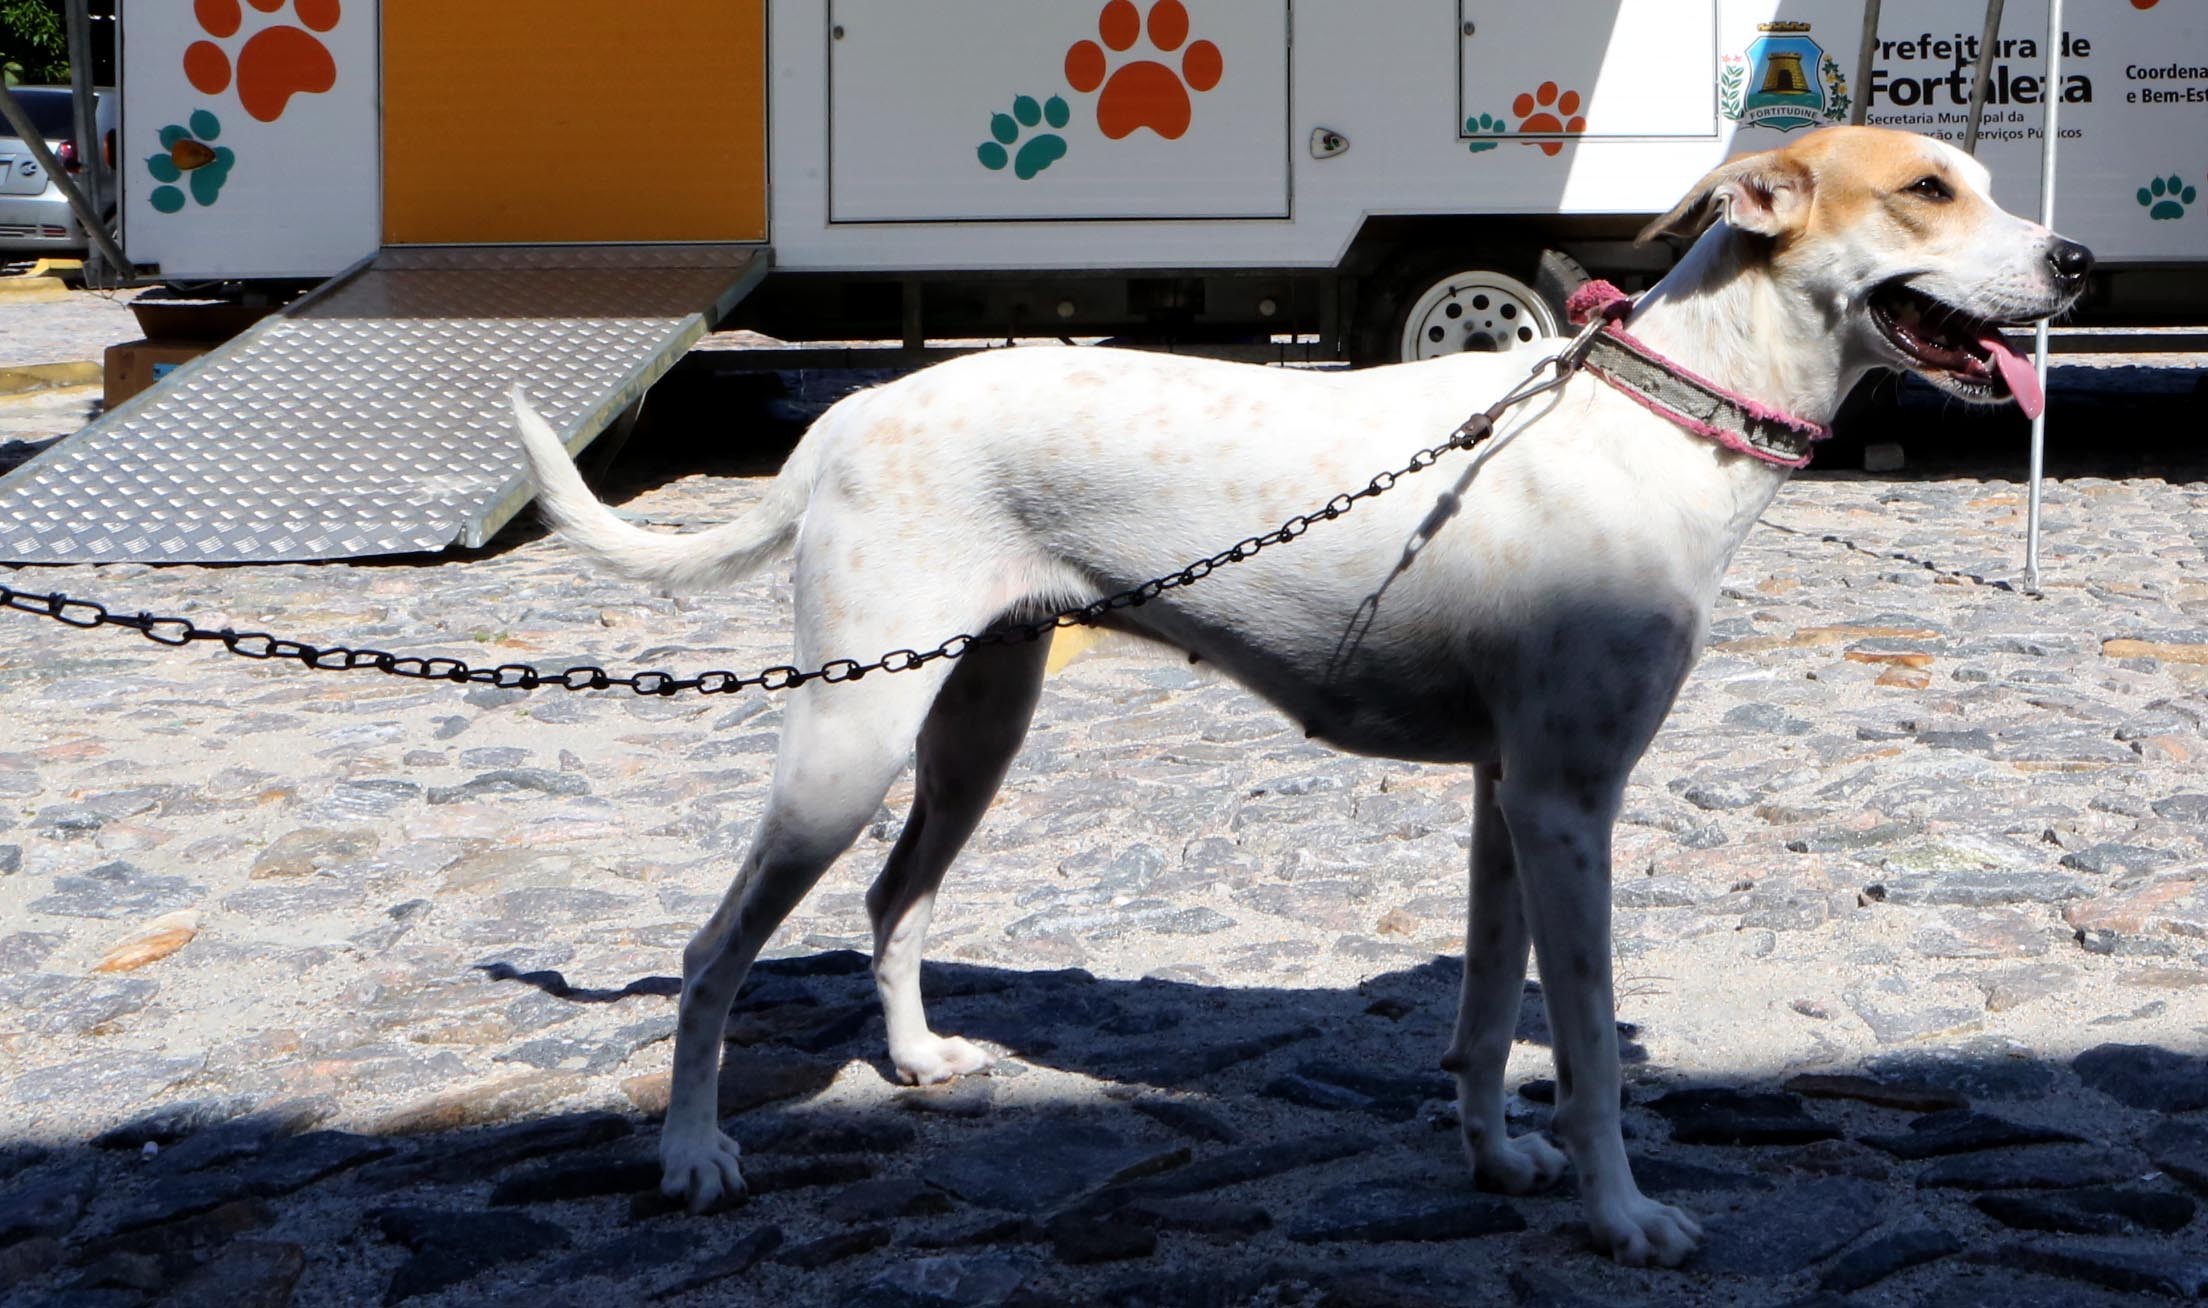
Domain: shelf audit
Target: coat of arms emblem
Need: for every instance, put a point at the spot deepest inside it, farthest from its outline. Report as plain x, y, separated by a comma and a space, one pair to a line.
1782, 81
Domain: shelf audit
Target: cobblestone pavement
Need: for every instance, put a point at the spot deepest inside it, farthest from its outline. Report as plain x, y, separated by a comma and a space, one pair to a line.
333, 989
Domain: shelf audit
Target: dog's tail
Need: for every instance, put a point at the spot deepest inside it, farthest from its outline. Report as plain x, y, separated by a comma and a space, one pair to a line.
673, 562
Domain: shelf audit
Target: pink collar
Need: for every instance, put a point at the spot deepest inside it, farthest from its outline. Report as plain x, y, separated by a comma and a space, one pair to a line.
1664, 388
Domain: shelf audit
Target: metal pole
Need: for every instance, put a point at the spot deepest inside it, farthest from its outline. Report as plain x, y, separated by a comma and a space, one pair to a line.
2051, 96
1986, 46
78, 15
89, 217
1863, 63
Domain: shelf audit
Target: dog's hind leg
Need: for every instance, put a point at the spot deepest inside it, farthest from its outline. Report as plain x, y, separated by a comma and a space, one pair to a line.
1495, 944
976, 726
1560, 813
841, 747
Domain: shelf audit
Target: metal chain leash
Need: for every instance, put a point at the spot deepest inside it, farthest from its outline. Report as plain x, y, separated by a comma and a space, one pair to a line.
179, 632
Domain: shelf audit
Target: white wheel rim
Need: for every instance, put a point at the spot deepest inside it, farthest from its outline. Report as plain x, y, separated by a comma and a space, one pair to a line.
1475, 311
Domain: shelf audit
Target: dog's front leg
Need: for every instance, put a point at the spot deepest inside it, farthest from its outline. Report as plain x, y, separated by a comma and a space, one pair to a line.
1495, 944
1560, 829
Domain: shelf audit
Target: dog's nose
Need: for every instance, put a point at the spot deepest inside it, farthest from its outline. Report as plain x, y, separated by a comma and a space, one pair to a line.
2070, 260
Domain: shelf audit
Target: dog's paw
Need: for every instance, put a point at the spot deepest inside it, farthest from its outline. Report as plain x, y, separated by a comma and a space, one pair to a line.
1639, 1232
1520, 1165
938, 1058
703, 1174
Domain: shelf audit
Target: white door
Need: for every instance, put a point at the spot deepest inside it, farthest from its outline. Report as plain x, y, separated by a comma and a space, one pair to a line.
961, 110
1566, 68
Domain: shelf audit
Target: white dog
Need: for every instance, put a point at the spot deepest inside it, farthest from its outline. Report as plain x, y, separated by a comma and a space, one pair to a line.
1529, 608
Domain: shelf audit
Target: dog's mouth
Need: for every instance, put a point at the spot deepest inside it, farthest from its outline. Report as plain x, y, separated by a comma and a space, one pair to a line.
1957, 351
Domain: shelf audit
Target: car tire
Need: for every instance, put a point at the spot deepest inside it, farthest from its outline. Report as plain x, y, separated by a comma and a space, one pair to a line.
1447, 303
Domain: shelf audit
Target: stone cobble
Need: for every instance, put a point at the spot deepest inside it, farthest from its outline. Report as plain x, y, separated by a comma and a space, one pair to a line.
330, 988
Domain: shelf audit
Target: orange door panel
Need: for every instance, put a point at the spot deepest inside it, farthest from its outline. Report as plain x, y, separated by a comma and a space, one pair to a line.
560, 120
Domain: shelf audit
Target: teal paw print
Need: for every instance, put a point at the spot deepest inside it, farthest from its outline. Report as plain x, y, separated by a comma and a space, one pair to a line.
1484, 125
187, 158
1040, 151
2167, 197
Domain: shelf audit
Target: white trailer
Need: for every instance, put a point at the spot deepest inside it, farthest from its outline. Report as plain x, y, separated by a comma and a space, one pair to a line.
1301, 167
1365, 180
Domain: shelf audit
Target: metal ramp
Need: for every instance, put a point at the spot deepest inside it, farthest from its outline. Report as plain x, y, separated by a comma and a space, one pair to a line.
371, 417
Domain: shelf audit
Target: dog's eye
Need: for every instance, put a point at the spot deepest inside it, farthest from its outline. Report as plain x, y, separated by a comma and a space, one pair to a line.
1931, 188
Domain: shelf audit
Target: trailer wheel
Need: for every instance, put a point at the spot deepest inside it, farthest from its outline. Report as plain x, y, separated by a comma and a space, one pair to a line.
1443, 307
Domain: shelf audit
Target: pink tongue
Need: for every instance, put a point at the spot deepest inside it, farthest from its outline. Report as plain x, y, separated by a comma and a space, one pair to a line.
2017, 371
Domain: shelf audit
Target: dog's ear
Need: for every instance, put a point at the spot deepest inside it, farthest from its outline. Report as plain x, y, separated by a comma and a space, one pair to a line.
1767, 194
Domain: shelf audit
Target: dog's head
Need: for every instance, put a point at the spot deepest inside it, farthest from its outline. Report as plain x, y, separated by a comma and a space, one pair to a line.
1893, 238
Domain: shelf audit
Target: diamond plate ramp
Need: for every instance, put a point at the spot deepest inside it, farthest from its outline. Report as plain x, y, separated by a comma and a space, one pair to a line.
371, 417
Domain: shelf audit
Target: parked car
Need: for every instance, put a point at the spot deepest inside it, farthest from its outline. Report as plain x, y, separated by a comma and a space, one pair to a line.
34, 218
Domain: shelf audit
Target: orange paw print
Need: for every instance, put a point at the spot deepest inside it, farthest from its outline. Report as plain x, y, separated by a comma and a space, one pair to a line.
1144, 92
1545, 110
274, 64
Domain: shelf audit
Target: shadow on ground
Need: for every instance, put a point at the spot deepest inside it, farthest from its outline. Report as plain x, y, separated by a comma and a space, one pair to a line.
2113, 422
1220, 1145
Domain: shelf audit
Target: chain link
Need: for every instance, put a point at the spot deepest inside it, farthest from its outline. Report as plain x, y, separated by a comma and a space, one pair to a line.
258, 645
1955, 575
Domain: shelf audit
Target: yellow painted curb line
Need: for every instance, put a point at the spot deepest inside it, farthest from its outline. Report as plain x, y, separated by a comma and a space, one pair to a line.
1068, 644
32, 290
55, 267
48, 377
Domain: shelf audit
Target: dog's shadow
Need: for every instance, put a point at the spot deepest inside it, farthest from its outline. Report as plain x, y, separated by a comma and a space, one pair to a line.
1374, 1048
1209, 1143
